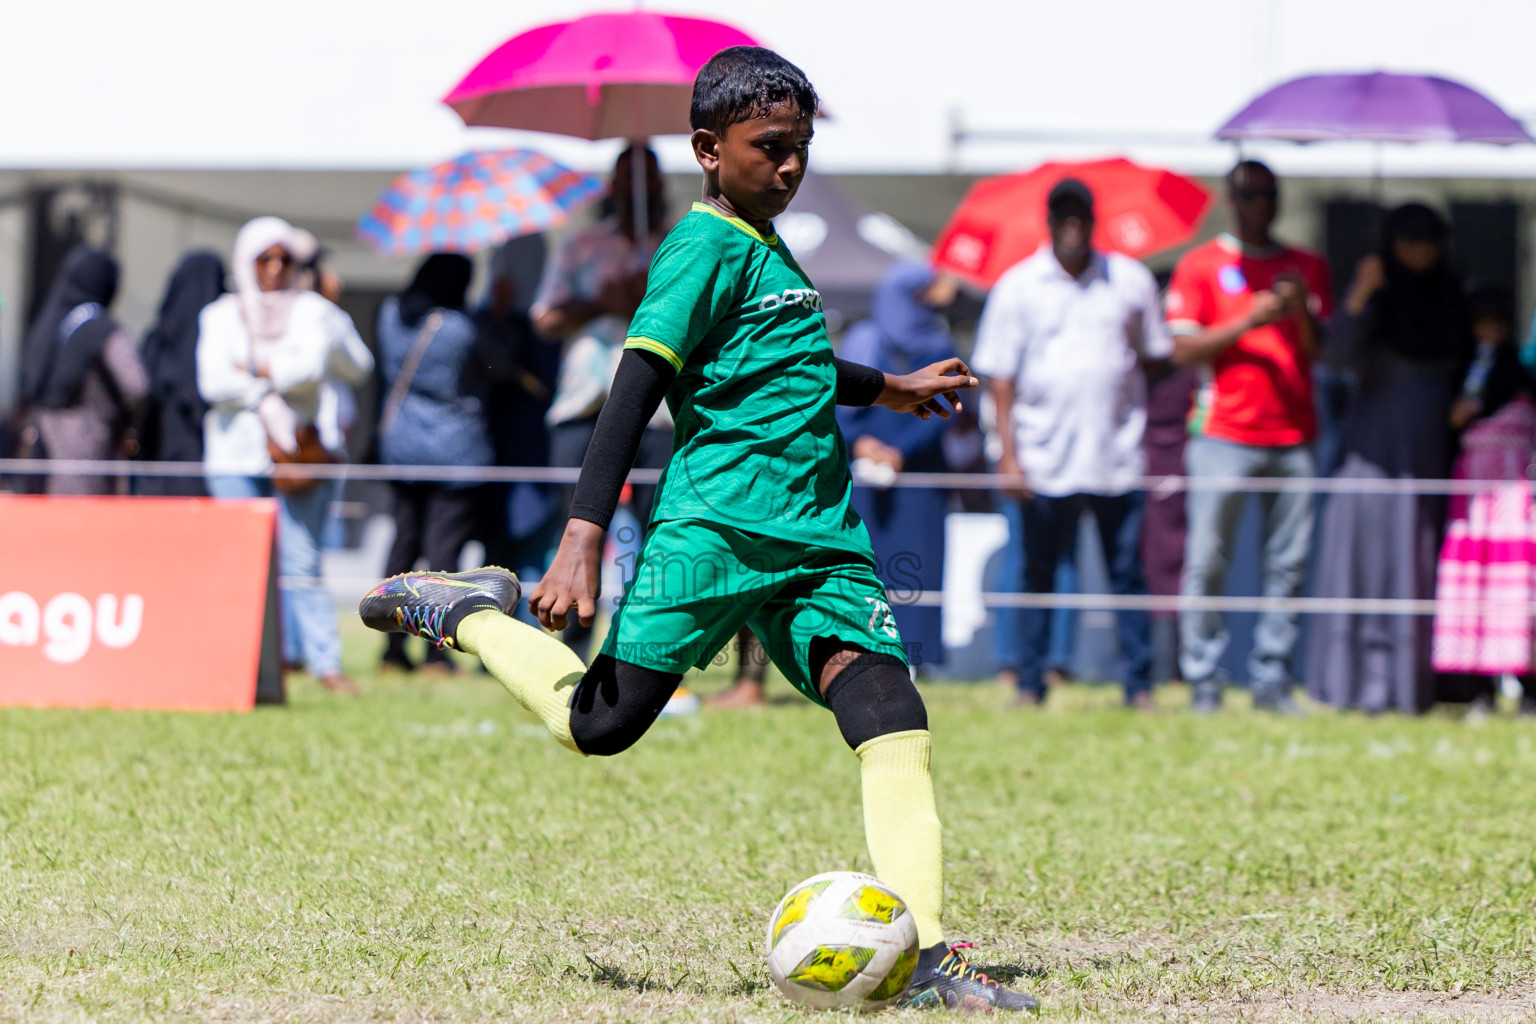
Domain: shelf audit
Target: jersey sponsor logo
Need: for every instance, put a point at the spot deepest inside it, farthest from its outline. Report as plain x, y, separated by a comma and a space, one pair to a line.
1230, 278
809, 298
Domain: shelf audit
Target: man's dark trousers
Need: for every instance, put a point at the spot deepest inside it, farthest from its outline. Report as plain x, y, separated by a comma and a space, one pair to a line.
1050, 528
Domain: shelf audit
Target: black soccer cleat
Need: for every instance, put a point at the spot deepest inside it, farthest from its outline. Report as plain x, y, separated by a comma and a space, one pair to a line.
424, 603
955, 985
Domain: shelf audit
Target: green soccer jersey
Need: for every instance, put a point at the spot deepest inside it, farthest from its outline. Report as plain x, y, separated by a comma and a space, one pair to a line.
756, 445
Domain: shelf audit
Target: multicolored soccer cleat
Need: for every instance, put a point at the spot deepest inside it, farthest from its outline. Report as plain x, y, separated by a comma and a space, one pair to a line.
420, 603
955, 985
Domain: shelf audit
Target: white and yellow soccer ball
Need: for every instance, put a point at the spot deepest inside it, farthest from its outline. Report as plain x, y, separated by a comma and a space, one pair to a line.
842, 941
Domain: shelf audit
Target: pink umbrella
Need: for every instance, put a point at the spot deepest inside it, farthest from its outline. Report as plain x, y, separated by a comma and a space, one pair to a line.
603, 76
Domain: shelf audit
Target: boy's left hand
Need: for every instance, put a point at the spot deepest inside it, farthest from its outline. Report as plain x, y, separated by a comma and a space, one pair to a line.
920, 392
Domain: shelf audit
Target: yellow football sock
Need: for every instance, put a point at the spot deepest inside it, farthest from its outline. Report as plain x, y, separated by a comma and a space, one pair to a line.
535, 667
901, 825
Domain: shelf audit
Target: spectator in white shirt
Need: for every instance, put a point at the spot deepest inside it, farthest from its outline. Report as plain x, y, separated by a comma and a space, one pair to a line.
1064, 340
275, 365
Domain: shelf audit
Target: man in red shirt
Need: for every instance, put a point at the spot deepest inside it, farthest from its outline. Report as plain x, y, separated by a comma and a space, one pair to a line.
1247, 310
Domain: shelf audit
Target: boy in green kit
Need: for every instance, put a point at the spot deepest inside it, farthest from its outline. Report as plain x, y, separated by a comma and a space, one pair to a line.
752, 522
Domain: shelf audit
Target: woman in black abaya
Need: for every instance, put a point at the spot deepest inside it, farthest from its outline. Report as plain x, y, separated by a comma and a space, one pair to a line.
173, 423
81, 381
1405, 329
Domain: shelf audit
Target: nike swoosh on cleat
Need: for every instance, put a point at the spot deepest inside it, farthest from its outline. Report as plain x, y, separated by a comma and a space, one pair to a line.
449, 583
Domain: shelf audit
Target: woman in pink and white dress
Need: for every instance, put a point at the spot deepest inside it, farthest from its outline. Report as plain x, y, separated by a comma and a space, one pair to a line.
1486, 582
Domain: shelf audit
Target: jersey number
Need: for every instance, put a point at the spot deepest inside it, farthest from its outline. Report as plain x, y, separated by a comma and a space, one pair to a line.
880, 618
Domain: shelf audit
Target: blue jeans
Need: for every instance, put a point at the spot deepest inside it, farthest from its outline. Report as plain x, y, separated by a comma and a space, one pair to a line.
1213, 518
1006, 650
1050, 528
310, 637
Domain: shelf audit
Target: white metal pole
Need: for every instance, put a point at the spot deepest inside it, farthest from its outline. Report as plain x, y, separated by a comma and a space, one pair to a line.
639, 170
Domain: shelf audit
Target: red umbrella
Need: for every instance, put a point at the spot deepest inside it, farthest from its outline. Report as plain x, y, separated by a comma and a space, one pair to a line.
1140, 210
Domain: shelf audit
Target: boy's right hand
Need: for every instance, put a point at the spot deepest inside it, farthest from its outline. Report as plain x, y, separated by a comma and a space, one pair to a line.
572, 580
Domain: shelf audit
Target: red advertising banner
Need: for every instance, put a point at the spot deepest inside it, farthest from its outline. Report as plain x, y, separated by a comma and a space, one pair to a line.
133, 602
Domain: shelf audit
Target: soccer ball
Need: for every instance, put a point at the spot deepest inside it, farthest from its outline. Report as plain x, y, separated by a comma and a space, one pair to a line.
842, 941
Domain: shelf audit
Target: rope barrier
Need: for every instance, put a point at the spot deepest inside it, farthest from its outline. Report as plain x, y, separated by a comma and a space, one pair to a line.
1155, 485
308, 471
1175, 603
1121, 602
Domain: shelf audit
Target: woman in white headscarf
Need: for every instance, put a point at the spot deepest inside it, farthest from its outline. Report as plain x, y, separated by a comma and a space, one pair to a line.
270, 361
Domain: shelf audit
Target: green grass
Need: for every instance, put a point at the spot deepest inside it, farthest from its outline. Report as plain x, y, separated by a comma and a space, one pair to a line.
425, 853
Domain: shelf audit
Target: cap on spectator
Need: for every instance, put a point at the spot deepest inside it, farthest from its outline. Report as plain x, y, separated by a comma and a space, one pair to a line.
1068, 196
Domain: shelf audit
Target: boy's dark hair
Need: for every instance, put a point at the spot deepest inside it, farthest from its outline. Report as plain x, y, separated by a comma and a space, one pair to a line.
741, 83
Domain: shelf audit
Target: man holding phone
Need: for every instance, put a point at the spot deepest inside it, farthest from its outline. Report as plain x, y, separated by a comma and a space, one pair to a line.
1248, 310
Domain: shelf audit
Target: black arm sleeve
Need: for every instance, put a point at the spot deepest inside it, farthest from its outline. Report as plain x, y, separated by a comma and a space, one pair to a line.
638, 388
858, 384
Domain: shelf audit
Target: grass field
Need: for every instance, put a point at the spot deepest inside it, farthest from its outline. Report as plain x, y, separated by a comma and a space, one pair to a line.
425, 853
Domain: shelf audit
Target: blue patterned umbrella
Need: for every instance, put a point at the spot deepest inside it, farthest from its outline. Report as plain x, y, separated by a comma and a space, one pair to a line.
474, 202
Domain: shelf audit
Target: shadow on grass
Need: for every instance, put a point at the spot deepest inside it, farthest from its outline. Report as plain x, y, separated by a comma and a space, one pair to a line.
618, 978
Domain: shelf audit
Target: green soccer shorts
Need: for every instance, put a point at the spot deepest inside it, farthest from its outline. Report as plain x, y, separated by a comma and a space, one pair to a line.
697, 583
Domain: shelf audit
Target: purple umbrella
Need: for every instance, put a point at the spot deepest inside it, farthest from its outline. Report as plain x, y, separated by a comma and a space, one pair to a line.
1375, 107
